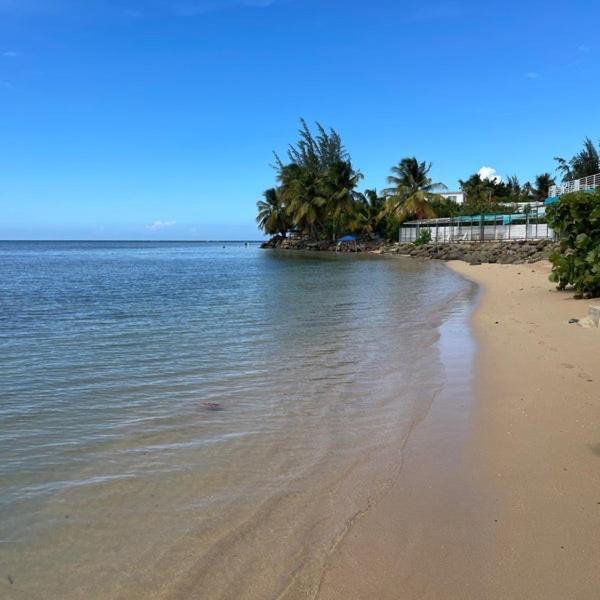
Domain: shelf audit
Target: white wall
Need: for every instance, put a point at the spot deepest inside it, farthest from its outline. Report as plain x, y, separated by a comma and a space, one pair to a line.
456, 196
454, 233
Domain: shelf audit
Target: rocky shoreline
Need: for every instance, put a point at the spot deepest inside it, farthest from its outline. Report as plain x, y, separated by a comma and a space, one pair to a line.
513, 252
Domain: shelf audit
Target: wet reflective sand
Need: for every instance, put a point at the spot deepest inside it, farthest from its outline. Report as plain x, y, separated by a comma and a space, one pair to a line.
117, 482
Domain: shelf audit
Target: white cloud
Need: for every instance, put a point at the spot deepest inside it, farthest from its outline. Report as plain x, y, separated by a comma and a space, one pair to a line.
532, 75
490, 174
10, 54
158, 225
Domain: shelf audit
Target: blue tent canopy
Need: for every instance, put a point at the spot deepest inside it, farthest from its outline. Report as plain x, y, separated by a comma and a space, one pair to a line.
348, 238
551, 200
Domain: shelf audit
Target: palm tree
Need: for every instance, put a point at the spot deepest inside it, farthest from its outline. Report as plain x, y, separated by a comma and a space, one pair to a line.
366, 212
543, 183
513, 188
318, 182
336, 187
305, 206
527, 192
584, 163
272, 215
412, 190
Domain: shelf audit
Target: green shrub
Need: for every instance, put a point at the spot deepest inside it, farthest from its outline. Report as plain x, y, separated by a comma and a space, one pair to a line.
424, 237
576, 220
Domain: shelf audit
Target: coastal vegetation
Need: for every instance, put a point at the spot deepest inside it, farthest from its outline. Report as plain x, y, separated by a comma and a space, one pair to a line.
424, 238
317, 185
316, 194
413, 191
575, 218
273, 218
493, 195
584, 163
576, 261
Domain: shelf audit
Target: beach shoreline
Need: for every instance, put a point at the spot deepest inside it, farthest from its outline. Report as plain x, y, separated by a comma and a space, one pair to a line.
536, 441
319, 384
511, 510
447, 464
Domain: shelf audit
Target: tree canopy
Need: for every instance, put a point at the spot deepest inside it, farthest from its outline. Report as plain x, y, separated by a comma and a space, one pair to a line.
272, 215
412, 190
317, 182
316, 192
585, 162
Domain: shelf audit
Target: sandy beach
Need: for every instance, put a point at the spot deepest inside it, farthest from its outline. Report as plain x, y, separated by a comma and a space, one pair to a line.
450, 452
512, 508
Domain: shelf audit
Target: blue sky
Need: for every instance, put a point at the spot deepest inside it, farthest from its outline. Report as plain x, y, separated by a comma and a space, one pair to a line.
155, 119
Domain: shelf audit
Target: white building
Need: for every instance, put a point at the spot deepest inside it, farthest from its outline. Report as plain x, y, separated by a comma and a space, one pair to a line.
458, 197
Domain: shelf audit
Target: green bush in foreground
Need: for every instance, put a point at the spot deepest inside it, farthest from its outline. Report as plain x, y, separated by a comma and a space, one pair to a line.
576, 220
424, 237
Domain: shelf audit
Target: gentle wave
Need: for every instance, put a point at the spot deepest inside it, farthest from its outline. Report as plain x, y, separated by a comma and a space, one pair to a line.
110, 351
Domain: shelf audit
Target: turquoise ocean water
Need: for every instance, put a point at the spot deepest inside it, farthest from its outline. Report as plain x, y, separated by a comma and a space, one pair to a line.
115, 479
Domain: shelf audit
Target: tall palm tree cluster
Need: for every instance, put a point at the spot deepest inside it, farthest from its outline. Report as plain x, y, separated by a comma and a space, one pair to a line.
317, 195
316, 191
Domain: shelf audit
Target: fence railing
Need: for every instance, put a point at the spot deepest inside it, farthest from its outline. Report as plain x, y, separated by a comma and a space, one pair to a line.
576, 185
480, 228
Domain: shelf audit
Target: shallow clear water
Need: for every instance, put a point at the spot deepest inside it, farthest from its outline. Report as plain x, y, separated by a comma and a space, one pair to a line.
115, 479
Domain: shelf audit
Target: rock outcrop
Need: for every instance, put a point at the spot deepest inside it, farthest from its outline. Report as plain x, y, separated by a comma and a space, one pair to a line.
282, 243
512, 252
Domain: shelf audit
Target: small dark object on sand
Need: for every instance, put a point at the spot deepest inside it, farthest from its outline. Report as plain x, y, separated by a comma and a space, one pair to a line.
573, 321
10, 579
212, 406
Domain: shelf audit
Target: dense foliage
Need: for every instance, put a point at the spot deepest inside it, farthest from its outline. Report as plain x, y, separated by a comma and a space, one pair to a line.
316, 194
272, 215
412, 192
490, 196
317, 184
584, 163
424, 237
576, 219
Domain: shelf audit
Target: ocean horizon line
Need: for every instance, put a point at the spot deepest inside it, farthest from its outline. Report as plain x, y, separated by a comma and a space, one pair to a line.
136, 241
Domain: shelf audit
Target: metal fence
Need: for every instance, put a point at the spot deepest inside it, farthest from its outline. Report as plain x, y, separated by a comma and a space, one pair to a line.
531, 225
585, 183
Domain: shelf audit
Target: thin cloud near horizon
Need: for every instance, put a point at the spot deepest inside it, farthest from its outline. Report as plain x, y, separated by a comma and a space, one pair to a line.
158, 225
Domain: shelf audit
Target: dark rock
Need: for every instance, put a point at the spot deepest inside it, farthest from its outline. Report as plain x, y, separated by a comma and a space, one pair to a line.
507, 252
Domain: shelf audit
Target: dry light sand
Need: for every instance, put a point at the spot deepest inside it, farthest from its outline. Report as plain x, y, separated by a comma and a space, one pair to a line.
507, 505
